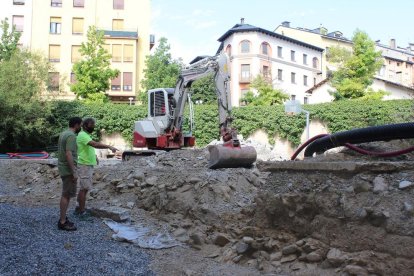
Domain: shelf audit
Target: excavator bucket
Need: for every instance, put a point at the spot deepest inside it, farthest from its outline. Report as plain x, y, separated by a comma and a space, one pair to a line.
231, 157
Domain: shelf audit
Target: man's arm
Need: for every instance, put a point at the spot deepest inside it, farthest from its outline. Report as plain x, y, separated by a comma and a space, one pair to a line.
99, 145
71, 163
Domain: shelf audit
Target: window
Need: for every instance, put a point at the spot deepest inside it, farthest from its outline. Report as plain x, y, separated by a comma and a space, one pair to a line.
53, 83
78, 3
116, 53
389, 62
118, 4
245, 46
245, 72
315, 63
117, 24
77, 26
128, 52
116, 83
228, 50
305, 100
293, 77
314, 81
292, 55
18, 22
279, 51
398, 64
265, 48
305, 59
127, 81
280, 74
293, 97
55, 25
18, 2
382, 70
266, 71
72, 77
56, 3
157, 104
76, 56
305, 80
54, 53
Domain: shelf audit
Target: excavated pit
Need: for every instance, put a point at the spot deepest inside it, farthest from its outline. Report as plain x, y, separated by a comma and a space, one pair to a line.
315, 217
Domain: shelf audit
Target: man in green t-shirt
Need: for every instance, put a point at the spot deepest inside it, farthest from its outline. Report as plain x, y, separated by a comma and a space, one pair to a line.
67, 160
87, 159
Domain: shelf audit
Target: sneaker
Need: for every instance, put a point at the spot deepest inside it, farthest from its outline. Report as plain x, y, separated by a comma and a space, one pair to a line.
69, 222
67, 226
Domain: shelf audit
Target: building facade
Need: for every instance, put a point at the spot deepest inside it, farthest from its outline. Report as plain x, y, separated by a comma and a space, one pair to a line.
19, 13
398, 62
58, 28
289, 64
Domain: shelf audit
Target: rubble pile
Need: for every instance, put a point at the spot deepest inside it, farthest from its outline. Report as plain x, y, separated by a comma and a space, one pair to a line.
299, 223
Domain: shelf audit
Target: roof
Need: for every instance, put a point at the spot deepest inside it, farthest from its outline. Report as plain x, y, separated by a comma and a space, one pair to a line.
330, 35
395, 49
398, 59
310, 90
121, 34
239, 28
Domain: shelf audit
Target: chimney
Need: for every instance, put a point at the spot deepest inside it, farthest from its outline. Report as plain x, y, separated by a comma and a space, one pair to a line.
411, 46
286, 24
242, 20
392, 43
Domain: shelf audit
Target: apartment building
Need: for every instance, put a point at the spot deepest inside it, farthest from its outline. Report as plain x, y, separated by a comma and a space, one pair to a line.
57, 29
289, 64
398, 62
19, 13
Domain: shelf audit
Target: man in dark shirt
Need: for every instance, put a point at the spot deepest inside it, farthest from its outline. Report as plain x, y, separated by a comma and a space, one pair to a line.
67, 162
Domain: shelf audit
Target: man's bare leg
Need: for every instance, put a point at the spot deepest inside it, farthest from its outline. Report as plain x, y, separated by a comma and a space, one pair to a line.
82, 200
64, 203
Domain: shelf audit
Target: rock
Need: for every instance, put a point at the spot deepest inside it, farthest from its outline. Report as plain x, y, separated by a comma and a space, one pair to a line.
237, 258
94, 192
252, 263
221, 240
189, 272
242, 248
27, 190
131, 185
297, 266
248, 240
121, 186
335, 257
130, 204
194, 180
138, 175
137, 183
408, 208
313, 257
405, 184
115, 181
355, 270
362, 186
276, 256
112, 212
300, 243
288, 258
196, 238
290, 249
380, 185
179, 232
151, 181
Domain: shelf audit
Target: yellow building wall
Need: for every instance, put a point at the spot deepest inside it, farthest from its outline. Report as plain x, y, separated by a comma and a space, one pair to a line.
136, 16
314, 39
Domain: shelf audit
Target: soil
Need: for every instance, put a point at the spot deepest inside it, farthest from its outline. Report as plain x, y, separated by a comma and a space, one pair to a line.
246, 221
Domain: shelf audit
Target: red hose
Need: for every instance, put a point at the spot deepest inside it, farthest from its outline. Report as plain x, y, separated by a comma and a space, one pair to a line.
354, 148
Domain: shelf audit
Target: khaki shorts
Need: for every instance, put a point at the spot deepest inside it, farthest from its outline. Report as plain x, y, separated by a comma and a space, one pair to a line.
85, 173
69, 186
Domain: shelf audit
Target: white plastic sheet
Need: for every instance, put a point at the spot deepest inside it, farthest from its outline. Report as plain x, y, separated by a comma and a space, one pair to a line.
141, 235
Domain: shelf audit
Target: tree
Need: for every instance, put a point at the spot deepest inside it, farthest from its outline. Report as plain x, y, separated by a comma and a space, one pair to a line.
353, 78
93, 71
338, 55
266, 94
24, 115
204, 90
9, 40
161, 70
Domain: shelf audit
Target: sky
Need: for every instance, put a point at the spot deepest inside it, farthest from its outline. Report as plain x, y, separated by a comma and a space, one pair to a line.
192, 27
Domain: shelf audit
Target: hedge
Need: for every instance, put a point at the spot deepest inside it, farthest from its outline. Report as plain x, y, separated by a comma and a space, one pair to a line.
341, 115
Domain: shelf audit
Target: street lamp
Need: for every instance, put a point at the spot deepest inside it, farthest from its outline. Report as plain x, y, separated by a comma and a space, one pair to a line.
130, 100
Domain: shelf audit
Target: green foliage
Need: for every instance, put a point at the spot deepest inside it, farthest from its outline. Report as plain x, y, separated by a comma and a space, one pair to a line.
23, 114
204, 90
9, 40
338, 55
161, 70
370, 94
93, 71
266, 94
357, 72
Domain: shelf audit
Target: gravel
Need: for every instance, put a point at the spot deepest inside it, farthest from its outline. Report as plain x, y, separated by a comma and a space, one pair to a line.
31, 244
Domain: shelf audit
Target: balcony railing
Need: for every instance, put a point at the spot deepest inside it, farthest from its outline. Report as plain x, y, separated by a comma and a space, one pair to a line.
245, 78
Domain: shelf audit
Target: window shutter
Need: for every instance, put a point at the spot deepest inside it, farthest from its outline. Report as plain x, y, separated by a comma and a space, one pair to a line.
77, 25
118, 4
128, 53
78, 3
55, 20
76, 56
117, 52
117, 24
117, 80
18, 21
54, 52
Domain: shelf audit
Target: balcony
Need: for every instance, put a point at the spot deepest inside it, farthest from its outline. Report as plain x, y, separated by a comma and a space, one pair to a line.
245, 77
129, 34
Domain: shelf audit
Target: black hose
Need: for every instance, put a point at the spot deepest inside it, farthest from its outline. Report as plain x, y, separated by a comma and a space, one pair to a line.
362, 135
